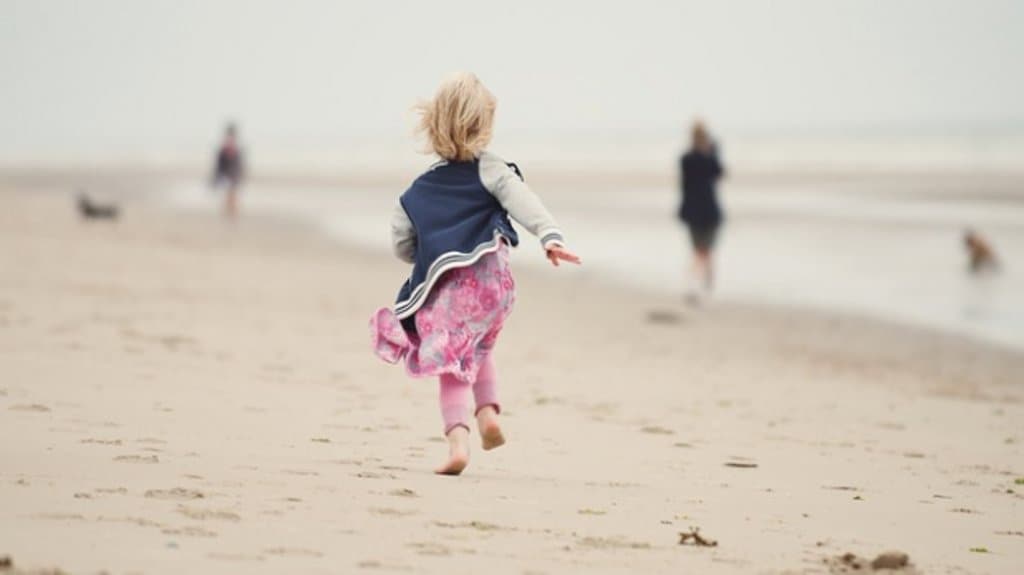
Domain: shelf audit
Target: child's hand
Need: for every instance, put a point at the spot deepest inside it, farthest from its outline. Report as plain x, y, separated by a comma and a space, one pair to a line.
556, 253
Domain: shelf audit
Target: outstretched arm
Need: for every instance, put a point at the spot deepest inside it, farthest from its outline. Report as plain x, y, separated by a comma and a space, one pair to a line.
524, 206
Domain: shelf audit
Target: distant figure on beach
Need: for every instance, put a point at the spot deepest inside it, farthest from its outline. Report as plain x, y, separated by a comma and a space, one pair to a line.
981, 256
229, 170
699, 171
452, 225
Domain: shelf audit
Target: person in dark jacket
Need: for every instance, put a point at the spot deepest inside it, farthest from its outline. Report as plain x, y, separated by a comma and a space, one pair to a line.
229, 169
700, 170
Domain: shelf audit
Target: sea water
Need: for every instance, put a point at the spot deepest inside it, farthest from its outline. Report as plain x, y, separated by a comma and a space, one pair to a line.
878, 246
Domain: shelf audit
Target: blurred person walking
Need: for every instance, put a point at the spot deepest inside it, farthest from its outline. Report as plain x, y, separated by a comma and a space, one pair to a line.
699, 172
229, 170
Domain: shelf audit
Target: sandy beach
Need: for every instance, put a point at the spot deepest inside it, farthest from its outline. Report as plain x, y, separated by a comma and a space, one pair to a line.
180, 395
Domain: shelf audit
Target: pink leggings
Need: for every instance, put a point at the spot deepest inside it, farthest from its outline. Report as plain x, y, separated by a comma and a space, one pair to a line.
455, 395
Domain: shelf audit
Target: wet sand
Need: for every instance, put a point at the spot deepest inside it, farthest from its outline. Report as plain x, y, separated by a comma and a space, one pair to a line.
183, 396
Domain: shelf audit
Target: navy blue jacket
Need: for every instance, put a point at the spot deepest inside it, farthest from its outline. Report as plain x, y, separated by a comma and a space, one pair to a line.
457, 212
699, 173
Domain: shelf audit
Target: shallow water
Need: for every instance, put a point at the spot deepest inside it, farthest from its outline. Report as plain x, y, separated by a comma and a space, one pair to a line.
877, 247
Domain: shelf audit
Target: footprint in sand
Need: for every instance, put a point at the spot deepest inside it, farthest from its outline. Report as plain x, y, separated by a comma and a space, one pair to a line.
111, 490
964, 510
374, 564
190, 531
741, 462
475, 525
612, 543
101, 441
374, 475
601, 409
841, 487
204, 514
293, 552
137, 459
151, 441
176, 493
169, 341
656, 430
403, 492
347, 462
664, 317
617, 484
32, 407
393, 468
390, 512
430, 548
140, 521
60, 516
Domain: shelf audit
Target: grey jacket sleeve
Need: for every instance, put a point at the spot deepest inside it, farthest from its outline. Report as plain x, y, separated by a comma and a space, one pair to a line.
403, 234
519, 200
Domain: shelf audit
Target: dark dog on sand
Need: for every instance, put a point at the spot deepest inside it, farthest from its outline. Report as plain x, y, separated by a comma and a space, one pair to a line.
980, 253
90, 210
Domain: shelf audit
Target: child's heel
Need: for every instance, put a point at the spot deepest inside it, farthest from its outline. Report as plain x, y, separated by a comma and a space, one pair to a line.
491, 436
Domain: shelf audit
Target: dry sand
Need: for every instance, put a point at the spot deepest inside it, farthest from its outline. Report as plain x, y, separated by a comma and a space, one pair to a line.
178, 395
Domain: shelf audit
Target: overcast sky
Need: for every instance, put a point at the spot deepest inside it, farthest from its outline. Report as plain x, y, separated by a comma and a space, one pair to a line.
154, 80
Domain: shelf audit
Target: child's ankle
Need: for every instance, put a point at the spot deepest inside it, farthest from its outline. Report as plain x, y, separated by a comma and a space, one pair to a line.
489, 411
490, 431
457, 432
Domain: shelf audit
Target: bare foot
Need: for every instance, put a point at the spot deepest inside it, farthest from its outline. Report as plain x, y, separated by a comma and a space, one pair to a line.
490, 431
458, 452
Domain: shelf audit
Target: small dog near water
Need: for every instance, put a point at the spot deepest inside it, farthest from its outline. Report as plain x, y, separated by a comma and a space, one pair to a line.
90, 210
981, 256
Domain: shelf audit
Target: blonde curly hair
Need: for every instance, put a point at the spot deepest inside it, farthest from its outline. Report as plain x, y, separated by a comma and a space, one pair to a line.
458, 121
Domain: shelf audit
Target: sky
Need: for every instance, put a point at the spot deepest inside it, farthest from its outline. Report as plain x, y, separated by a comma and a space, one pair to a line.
153, 81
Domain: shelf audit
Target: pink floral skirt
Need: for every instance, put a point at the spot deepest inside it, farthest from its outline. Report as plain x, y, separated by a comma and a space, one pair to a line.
457, 326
